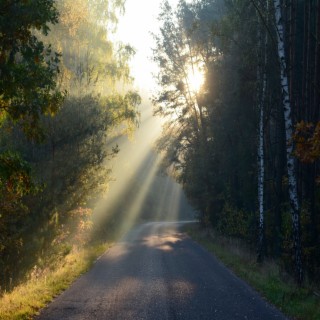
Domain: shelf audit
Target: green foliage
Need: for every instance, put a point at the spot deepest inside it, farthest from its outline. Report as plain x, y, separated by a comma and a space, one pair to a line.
90, 62
124, 108
28, 68
207, 135
237, 223
71, 165
15, 174
15, 183
211, 137
59, 140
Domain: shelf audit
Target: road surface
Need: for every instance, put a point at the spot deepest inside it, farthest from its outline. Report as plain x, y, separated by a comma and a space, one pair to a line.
157, 272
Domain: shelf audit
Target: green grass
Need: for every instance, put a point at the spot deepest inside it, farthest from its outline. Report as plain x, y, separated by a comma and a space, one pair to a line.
277, 287
25, 301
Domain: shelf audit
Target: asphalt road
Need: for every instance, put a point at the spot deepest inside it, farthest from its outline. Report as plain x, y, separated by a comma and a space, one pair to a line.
156, 272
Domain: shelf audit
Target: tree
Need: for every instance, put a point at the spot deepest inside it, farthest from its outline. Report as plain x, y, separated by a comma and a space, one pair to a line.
184, 49
293, 194
91, 63
28, 72
28, 69
71, 162
261, 160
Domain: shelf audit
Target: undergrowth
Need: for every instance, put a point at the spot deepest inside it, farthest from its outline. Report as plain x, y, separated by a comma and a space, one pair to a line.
25, 301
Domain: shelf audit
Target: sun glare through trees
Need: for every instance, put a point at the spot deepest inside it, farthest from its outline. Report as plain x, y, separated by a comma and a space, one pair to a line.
116, 112
195, 79
77, 147
140, 189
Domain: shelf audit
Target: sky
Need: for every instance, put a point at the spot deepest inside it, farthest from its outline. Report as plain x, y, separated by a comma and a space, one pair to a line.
135, 171
135, 28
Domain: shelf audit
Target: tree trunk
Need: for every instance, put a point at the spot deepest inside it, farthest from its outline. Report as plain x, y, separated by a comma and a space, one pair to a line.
261, 179
293, 196
317, 65
292, 56
261, 167
280, 162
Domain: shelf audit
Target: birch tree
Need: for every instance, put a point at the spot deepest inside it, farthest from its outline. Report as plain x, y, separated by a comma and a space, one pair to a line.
261, 75
262, 79
293, 195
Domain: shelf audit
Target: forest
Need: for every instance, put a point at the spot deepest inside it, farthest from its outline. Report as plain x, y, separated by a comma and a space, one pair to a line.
238, 86
245, 144
63, 90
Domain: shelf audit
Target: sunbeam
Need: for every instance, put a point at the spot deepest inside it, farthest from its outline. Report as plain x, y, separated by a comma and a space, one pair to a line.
138, 192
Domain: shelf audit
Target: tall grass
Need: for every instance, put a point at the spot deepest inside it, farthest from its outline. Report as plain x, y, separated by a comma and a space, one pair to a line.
301, 303
25, 301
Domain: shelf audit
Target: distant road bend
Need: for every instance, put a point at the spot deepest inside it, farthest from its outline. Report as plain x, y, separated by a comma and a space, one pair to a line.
157, 272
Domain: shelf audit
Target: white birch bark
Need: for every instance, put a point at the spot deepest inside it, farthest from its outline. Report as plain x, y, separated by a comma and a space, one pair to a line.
261, 77
293, 194
261, 167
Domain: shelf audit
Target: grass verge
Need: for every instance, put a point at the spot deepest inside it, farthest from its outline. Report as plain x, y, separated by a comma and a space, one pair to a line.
25, 301
267, 278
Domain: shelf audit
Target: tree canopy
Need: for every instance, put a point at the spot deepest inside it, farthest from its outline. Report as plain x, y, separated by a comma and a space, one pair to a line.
28, 68
60, 76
